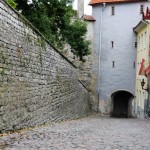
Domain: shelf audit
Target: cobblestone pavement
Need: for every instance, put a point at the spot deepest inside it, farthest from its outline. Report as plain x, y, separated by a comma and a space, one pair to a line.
92, 133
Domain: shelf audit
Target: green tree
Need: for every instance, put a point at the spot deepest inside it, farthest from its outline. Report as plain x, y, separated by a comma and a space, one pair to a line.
12, 3
75, 34
54, 19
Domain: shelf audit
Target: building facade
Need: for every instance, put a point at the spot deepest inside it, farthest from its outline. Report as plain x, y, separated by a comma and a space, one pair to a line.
143, 46
115, 46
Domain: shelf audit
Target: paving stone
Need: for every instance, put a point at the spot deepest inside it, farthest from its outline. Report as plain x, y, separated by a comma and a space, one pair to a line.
92, 133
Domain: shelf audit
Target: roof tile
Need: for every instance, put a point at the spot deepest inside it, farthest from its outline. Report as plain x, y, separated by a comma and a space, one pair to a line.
89, 18
94, 2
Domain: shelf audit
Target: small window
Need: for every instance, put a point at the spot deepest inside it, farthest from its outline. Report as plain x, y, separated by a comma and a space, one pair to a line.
112, 44
141, 9
134, 64
113, 64
113, 10
135, 44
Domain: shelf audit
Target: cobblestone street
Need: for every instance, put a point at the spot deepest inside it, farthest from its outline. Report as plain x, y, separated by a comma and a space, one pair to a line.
92, 133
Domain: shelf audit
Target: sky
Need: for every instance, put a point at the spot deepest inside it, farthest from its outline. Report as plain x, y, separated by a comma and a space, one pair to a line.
87, 8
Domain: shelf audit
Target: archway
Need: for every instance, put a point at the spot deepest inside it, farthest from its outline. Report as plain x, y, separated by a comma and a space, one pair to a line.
122, 104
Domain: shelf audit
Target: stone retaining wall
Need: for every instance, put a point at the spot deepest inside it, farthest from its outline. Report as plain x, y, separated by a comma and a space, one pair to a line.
37, 83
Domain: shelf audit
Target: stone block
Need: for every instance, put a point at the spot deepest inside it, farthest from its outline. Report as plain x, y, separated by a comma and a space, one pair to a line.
39, 86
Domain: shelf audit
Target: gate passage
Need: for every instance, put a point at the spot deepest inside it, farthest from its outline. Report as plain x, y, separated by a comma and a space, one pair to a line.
121, 102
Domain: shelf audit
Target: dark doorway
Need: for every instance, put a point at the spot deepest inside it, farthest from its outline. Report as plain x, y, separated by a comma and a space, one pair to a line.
121, 104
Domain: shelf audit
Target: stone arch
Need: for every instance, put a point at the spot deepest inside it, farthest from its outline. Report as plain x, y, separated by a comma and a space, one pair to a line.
121, 104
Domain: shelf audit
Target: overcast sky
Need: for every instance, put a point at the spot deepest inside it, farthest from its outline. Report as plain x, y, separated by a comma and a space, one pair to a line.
87, 8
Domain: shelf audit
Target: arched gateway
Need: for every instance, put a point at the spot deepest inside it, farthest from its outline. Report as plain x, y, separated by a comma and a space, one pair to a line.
121, 104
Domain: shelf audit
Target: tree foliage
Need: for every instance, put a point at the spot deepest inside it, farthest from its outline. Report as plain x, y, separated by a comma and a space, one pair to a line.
54, 19
12, 3
75, 34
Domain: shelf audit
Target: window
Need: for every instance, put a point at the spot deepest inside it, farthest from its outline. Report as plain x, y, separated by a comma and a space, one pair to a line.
113, 64
112, 44
139, 43
134, 64
135, 44
145, 39
141, 9
113, 10
142, 42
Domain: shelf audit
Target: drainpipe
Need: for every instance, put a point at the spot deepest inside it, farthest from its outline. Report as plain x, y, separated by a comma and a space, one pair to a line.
100, 49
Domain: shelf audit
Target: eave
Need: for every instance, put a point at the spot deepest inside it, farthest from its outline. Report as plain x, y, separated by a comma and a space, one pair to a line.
116, 1
142, 24
88, 18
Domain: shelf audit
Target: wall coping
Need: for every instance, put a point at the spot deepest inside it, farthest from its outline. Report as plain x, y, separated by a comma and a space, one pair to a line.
84, 85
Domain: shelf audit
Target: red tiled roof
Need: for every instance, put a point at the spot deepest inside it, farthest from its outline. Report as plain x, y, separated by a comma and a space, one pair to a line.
88, 18
94, 2
146, 16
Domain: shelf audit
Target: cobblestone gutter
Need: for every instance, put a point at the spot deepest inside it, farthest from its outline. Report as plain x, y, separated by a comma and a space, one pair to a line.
37, 83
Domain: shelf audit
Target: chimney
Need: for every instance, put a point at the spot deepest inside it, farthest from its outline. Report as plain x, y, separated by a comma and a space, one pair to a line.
80, 8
